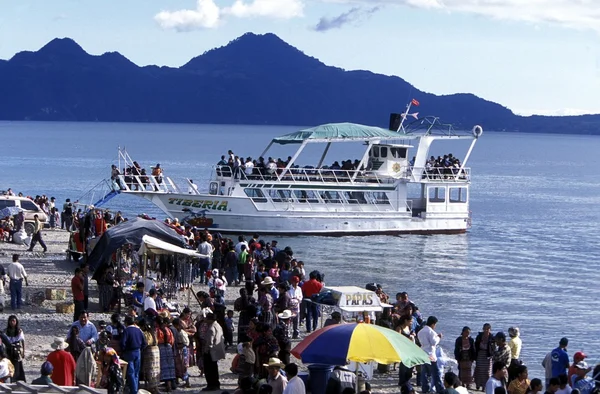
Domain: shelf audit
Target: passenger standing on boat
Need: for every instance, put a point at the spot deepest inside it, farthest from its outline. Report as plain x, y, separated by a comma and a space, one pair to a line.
248, 166
157, 174
485, 347
193, 189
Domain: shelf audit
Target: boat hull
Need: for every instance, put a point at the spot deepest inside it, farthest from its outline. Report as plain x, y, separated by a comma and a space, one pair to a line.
234, 215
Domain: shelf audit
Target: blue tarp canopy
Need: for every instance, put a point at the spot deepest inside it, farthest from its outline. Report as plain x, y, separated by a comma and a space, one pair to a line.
338, 132
129, 232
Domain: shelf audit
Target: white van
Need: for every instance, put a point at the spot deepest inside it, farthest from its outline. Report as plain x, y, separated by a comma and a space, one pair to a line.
29, 207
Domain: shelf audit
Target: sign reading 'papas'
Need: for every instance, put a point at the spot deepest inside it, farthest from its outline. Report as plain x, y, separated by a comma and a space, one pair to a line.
358, 299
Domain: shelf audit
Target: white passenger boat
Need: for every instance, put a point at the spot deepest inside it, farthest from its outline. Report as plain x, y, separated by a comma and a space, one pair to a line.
387, 194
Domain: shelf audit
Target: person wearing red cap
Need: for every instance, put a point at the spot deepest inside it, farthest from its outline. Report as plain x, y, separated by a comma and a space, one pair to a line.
577, 357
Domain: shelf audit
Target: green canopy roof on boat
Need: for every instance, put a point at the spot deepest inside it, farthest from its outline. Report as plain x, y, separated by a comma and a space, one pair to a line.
338, 132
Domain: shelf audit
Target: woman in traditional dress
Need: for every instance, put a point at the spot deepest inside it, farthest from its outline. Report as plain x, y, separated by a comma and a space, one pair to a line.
265, 301
502, 353
265, 346
112, 374
165, 347
245, 306
465, 354
187, 323
519, 385
485, 347
16, 353
115, 329
182, 343
201, 330
150, 371
105, 287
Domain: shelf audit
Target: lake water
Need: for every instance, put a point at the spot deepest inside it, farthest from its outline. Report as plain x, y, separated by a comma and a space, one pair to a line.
530, 259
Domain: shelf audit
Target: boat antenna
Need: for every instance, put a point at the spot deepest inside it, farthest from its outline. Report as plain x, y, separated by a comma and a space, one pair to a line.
405, 114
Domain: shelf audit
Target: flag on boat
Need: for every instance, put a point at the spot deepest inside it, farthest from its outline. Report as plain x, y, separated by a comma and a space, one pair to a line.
414, 115
415, 102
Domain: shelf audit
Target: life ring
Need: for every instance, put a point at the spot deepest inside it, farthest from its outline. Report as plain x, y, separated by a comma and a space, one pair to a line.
477, 131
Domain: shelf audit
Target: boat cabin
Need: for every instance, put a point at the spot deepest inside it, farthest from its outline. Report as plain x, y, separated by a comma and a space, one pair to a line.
388, 160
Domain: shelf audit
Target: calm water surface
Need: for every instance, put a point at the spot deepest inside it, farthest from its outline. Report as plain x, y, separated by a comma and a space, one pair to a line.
530, 260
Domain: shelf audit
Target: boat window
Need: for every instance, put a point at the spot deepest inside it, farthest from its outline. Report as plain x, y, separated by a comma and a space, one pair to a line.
28, 205
256, 195
398, 153
437, 194
280, 195
306, 196
355, 197
383, 151
376, 198
375, 151
458, 194
331, 197
7, 203
214, 188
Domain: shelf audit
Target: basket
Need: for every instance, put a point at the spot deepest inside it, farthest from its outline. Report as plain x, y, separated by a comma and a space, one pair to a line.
65, 307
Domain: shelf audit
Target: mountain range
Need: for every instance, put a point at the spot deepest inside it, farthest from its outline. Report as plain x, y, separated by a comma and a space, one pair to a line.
255, 79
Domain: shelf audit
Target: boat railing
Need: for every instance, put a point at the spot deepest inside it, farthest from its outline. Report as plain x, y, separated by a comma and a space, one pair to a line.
304, 175
143, 183
439, 174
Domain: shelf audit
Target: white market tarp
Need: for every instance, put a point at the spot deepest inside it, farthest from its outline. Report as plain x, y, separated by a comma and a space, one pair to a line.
356, 299
157, 246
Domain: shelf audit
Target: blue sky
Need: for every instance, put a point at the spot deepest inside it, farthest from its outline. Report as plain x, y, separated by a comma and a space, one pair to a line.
533, 56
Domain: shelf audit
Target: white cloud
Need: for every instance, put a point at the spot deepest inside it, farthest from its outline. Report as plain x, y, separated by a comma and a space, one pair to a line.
208, 15
578, 14
281, 9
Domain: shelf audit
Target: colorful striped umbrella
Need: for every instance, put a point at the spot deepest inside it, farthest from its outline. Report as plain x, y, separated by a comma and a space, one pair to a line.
337, 344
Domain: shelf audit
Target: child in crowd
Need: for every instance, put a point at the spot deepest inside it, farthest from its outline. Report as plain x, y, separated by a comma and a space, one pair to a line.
274, 272
230, 329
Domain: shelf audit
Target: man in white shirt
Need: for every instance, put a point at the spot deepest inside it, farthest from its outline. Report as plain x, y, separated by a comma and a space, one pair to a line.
248, 166
497, 378
295, 385
150, 302
16, 273
238, 246
429, 340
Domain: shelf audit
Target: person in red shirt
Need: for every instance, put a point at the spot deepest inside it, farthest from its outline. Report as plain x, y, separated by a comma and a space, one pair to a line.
63, 362
309, 288
78, 296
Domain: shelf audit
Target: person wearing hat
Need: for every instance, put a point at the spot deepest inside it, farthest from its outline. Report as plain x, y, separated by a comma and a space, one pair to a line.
63, 373
269, 284
275, 379
214, 350
281, 333
580, 381
577, 357
45, 371
560, 358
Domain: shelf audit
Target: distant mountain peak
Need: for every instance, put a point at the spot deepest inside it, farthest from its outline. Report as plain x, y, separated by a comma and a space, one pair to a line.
63, 46
251, 51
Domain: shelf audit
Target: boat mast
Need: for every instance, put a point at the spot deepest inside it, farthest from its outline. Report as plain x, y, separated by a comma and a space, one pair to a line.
404, 115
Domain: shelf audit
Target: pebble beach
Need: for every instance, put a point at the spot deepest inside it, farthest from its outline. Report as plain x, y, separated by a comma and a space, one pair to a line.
41, 323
